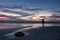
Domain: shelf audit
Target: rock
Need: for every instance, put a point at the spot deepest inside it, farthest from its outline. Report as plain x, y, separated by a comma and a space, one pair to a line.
19, 34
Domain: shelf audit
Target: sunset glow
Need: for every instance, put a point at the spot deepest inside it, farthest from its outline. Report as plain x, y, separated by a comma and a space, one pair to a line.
3, 18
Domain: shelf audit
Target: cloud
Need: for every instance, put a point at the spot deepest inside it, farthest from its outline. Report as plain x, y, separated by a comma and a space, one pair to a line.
9, 14
27, 12
20, 10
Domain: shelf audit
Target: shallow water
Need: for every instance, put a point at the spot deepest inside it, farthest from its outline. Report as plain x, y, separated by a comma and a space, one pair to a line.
7, 30
23, 25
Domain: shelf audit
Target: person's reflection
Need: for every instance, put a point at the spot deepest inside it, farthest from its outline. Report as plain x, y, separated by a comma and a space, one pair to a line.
42, 22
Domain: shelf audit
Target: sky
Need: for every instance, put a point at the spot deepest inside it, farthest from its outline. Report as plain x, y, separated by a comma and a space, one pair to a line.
49, 7
43, 4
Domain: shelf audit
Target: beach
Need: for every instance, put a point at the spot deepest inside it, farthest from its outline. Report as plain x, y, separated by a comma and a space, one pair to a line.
31, 31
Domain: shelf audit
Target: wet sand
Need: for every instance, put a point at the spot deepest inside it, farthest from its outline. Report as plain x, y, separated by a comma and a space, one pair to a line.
42, 33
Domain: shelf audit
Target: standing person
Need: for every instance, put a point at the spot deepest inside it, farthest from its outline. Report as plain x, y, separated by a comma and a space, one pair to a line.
42, 22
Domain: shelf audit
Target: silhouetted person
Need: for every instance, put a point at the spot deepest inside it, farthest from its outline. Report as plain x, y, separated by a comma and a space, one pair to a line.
42, 22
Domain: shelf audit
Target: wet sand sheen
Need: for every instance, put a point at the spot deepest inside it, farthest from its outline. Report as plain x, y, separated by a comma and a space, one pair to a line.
33, 32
